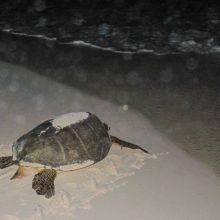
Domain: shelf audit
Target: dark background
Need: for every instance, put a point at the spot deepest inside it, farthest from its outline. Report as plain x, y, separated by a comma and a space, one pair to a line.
131, 25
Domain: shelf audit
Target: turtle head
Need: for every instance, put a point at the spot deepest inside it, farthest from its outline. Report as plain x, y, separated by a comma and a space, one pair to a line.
17, 148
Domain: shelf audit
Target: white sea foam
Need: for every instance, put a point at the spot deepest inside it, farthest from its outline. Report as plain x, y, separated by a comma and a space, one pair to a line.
30, 35
81, 43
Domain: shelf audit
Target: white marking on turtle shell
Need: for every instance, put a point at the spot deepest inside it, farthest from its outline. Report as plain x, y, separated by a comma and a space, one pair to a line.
65, 120
69, 167
44, 131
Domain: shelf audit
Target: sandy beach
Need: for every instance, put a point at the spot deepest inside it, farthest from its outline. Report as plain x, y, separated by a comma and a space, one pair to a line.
167, 185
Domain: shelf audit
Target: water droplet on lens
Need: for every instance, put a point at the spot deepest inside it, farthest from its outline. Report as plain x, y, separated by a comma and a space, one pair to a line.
166, 75
125, 107
191, 63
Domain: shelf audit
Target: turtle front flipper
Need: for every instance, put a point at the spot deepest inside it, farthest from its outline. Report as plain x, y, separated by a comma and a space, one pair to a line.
43, 182
6, 162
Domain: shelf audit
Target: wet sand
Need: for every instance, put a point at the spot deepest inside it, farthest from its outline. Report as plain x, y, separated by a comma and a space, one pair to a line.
189, 116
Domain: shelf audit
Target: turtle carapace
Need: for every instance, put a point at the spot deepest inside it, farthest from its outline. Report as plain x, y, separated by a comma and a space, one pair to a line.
68, 142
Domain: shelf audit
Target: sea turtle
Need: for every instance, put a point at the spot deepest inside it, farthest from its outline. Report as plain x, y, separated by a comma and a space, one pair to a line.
67, 142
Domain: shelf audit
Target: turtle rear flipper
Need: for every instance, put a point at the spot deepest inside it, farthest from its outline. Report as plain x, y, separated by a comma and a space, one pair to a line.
43, 182
6, 162
127, 144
